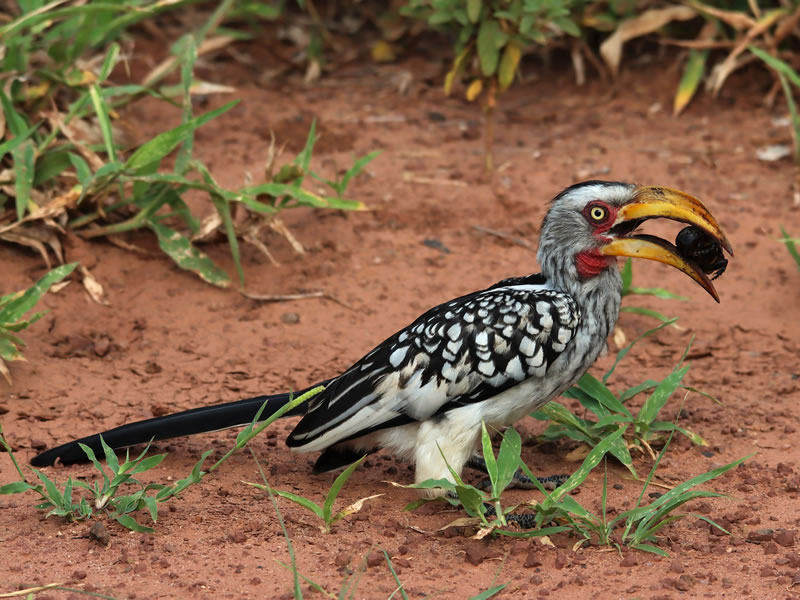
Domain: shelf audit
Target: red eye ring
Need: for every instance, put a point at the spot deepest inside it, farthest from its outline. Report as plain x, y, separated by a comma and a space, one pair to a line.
598, 213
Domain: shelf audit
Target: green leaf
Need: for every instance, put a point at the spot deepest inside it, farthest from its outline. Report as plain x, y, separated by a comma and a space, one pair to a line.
187, 59
24, 156
627, 277
638, 310
104, 121
491, 38
655, 402
791, 247
82, 171
224, 210
181, 250
147, 157
489, 459
338, 483
17, 307
304, 502
508, 458
473, 10
492, 591
16, 487
598, 390
690, 81
129, 522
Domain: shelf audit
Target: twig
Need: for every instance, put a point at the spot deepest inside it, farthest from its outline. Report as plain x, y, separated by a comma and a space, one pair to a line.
31, 590
293, 297
505, 236
409, 178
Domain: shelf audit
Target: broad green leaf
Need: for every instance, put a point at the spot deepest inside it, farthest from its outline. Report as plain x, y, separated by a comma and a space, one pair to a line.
655, 402
129, 522
473, 10
17, 307
508, 458
508, 65
181, 250
489, 459
8, 351
491, 38
597, 389
147, 157
690, 81
491, 592
16, 487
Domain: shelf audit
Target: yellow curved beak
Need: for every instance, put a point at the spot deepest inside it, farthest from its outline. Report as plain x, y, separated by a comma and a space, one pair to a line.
653, 202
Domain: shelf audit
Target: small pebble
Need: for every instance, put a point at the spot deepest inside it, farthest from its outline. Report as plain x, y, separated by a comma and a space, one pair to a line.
290, 318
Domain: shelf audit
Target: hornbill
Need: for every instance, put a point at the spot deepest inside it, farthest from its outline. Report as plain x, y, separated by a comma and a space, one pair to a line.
490, 356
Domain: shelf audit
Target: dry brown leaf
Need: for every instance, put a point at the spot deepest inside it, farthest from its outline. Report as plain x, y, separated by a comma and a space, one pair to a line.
737, 20
209, 45
5, 372
483, 532
16, 237
647, 22
277, 225
620, 339
93, 287
578, 453
461, 522
208, 227
544, 540
357, 505
57, 287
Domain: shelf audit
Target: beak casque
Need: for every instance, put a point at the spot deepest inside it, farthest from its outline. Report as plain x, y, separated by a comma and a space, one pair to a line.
652, 202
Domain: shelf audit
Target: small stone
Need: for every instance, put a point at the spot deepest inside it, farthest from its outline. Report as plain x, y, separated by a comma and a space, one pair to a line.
78, 575
760, 535
785, 538
477, 552
38, 444
342, 559
784, 469
374, 558
290, 318
766, 572
99, 534
561, 560
532, 560
676, 566
237, 537
628, 561
101, 346
684, 583
770, 548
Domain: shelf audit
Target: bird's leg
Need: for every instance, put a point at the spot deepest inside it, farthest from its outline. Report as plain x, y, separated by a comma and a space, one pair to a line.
520, 480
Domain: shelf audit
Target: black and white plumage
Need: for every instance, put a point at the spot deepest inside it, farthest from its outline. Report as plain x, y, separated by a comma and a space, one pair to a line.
490, 356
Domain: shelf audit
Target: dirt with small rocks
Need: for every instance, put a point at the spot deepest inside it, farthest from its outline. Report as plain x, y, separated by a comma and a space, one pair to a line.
168, 342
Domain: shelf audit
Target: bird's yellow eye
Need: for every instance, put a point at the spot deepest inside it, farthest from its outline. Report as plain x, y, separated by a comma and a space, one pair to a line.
598, 213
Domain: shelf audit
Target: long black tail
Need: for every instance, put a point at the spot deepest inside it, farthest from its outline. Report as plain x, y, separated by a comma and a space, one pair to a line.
188, 422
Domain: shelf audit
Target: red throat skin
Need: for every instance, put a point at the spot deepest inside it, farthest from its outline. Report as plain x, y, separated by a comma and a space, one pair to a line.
591, 263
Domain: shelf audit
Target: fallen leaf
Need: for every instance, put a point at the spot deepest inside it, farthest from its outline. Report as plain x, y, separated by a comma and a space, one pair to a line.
773, 152
647, 22
93, 287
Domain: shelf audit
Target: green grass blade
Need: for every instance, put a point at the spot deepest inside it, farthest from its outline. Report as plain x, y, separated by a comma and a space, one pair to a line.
400, 587
188, 59
187, 256
791, 246
24, 158
493, 591
508, 458
598, 390
647, 312
627, 277
655, 402
224, 210
302, 501
16, 308
658, 293
103, 121
690, 81
147, 157
489, 459
338, 483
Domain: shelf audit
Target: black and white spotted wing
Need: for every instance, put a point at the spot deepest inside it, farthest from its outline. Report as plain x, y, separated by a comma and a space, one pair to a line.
464, 351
